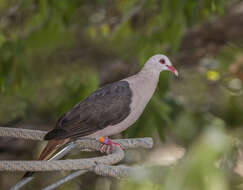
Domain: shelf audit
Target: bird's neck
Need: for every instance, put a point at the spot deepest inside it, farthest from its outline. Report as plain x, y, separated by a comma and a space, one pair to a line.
147, 80
143, 85
149, 74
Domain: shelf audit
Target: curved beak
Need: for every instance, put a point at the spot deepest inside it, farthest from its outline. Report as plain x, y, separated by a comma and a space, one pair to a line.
173, 70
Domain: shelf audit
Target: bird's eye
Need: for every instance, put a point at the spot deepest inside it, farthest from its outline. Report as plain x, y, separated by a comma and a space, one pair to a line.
162, 61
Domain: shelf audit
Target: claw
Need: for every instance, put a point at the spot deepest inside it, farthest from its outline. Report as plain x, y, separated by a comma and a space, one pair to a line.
102, 147
107, 149
109, 143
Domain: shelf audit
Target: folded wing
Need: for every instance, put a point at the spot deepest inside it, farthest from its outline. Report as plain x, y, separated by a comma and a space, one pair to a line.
106, 106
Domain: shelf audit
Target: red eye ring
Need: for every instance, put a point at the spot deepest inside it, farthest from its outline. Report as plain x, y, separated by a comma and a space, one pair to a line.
162, 61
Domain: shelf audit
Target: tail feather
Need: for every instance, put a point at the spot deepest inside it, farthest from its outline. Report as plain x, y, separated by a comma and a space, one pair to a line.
48, 151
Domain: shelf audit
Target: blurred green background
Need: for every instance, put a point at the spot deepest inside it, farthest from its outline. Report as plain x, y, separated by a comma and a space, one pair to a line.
55, 53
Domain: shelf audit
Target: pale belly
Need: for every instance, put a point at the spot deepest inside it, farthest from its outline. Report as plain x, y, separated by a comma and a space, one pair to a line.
118, 128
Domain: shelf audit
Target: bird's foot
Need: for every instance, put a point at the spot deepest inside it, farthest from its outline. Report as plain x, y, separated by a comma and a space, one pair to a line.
107, 145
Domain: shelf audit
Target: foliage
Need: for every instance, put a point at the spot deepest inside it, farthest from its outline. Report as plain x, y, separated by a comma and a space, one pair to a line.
54, 53
33, 33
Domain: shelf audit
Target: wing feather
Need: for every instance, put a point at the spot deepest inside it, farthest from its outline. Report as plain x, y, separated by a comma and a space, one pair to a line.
104, 107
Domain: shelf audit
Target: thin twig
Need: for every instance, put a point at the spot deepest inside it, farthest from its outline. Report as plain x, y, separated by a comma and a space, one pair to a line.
65, 179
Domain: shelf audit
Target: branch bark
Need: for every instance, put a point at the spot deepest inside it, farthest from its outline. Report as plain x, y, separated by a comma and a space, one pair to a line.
98, 165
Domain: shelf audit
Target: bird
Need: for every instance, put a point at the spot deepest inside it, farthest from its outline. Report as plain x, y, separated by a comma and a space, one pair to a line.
109, 110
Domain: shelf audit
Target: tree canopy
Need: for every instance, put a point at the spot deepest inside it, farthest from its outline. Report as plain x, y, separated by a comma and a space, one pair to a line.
55, 53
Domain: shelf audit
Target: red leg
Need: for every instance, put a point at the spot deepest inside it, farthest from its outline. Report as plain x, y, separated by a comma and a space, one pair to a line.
109, 143
108, 149
102, 147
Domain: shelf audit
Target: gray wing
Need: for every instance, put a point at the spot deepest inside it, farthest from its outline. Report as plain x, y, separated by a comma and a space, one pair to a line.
106, 106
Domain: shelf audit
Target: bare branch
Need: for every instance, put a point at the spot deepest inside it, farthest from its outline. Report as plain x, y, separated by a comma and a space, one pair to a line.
98, 165
65, 179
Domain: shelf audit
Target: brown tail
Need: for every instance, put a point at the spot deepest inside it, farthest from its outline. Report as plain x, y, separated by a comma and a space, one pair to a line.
48, 151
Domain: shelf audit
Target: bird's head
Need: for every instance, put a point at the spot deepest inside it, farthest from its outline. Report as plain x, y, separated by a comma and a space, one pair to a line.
160, 63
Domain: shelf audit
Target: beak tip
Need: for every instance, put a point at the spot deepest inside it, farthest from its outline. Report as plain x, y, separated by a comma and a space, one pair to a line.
173, 70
